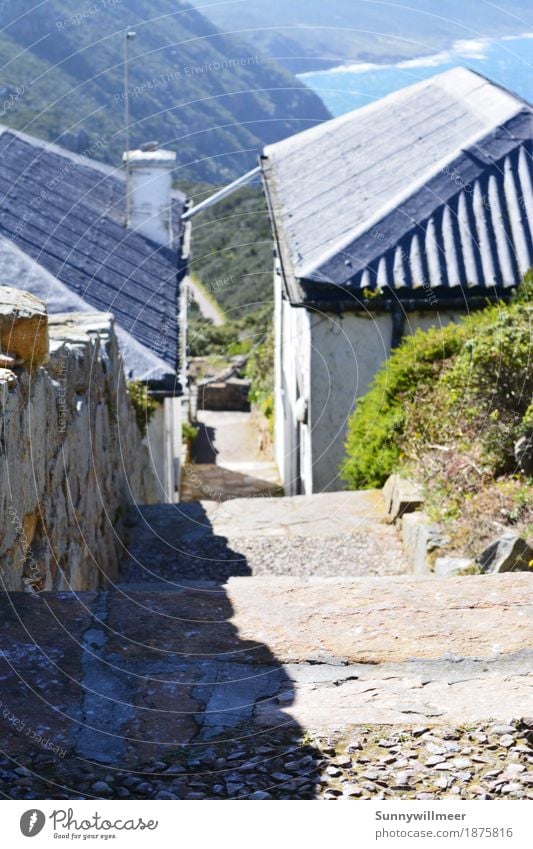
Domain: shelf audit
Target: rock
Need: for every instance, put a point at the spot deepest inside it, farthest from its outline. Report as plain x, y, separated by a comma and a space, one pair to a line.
508, 553
462, 763
351, 790
372, 774
7, 377
401, 781
500, 730
420, 536
145, 788
333, 771
433, 760
512, 787
506, 741
446, 566
514, 771
260, 794
401, 496
101, 788
523, 452
23, 326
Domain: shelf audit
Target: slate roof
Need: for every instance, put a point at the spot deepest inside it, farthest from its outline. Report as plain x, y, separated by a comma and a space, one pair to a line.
19, 270
430, 187
66, 213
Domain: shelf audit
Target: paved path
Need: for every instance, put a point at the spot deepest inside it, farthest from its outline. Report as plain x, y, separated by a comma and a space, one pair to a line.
131, 675
226, 460
342, 533
227, 663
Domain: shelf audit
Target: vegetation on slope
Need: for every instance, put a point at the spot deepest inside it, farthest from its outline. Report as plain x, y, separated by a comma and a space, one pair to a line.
212, 97
311, 35
448, 408
232, 250
232, 258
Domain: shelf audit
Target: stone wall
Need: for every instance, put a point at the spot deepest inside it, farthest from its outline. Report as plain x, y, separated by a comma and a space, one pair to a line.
71, 454
231, 394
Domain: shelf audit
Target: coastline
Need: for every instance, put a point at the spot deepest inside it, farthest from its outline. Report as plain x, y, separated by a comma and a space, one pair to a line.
459, 49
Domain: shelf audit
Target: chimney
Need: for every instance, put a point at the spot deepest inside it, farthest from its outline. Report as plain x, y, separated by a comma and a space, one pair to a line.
149, 185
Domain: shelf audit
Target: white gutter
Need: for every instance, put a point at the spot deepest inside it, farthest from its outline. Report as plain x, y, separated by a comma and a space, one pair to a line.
222, 193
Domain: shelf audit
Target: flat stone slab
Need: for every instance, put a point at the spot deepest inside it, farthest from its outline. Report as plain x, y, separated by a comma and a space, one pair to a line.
342, 533
134, 674
321, 515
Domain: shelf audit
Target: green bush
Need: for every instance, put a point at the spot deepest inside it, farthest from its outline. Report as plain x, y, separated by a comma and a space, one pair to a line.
465, 387
143, 404
260, 373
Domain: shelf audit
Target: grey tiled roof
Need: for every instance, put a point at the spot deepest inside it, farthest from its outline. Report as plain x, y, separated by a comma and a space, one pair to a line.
66, 213
429, 187
19, 270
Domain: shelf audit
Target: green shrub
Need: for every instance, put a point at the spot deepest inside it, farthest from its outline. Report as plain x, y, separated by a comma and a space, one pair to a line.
376, 429
143, 404
465, 389
260, 373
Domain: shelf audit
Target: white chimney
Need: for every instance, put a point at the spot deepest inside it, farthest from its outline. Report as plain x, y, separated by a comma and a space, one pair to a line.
149, 185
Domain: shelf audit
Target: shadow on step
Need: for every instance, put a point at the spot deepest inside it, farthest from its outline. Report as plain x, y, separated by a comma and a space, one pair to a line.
146, 690
171, 543
203, 448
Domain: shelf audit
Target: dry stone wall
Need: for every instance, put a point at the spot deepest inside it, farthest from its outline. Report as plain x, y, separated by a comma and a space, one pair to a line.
71, 454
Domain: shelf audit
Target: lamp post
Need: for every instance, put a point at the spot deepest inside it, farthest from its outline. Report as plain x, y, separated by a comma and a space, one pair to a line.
130, 35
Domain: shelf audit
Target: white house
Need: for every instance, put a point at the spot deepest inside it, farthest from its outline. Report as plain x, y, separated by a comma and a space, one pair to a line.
403, 214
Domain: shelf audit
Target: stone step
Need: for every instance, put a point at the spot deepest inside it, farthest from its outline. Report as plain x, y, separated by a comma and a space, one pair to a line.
129, 675
341, 533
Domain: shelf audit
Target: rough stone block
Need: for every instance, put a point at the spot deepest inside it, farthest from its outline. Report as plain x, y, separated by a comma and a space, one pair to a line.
420, 537
446, 566
509, 553
23, 326
401, 496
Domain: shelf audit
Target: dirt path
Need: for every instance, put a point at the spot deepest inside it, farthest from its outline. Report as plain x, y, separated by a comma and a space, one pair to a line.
206, 306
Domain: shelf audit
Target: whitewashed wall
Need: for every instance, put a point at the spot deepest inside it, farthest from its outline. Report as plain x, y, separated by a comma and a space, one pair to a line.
335, 358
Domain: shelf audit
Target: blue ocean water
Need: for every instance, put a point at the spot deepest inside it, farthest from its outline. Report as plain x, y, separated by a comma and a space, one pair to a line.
507, 60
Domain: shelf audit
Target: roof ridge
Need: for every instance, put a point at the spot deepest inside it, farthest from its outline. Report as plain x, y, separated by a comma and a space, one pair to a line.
382, 102
54, 147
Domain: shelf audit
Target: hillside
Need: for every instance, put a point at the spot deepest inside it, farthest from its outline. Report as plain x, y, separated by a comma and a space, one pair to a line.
210, 96
309, 35
232, 250
453, 408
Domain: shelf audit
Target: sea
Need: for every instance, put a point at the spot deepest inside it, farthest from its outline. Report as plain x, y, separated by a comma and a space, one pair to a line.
507, 60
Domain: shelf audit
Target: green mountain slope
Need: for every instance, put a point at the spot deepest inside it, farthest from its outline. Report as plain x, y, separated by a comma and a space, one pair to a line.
311, 35
232, 251
210, 96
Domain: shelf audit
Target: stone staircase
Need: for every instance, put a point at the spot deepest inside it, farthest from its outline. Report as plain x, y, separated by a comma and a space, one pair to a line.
251, 624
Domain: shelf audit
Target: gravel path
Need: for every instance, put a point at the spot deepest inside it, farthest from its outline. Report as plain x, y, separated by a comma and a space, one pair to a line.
481, 762
217, 559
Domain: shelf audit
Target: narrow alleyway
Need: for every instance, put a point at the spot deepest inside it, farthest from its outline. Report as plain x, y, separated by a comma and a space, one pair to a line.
227, 461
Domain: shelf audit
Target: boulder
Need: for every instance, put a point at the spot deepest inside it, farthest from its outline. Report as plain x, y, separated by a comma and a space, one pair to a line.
508, 553
23, 327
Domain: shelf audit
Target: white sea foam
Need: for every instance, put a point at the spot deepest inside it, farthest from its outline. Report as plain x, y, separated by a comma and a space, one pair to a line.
467, 48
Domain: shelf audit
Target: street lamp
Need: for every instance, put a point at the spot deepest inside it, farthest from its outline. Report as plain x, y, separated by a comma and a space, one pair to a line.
130, 35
